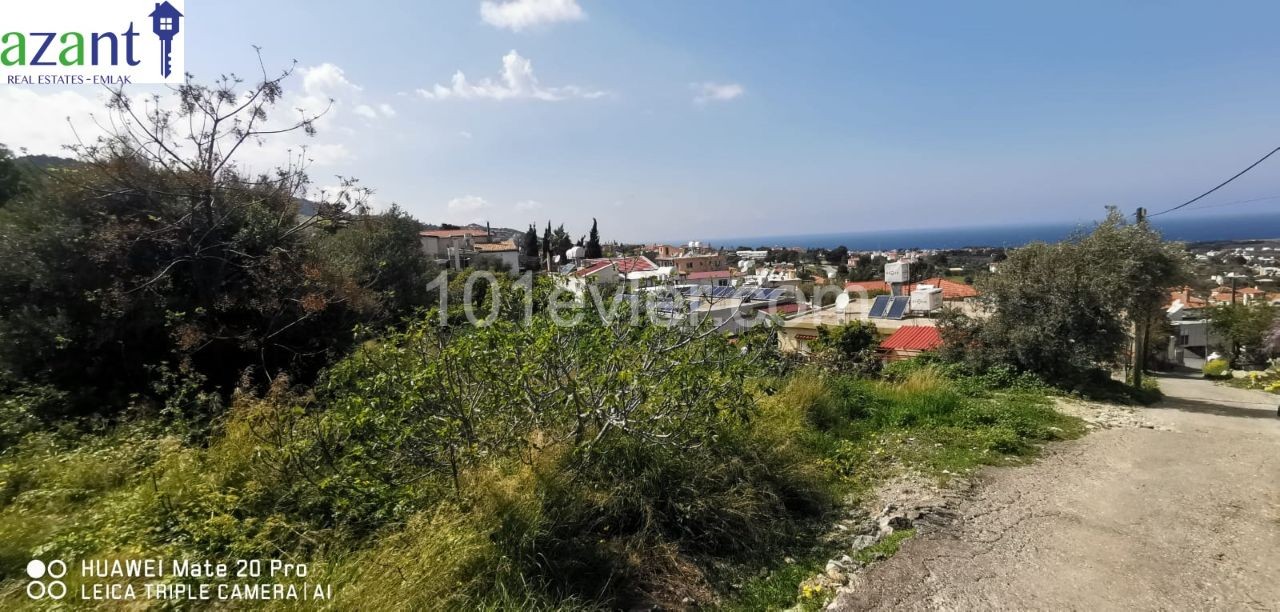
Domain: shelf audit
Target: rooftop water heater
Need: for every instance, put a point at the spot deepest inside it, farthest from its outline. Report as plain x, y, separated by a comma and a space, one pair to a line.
926, 298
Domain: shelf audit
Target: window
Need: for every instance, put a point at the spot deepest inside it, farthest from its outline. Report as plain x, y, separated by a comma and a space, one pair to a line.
166, 23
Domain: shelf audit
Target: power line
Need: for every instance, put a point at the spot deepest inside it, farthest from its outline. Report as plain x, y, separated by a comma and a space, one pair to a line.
1220, 185
1238, 202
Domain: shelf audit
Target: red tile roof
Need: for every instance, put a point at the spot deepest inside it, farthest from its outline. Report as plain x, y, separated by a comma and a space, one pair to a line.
951, 290
496, 247
1188, 300
592, 268
709, 274
792, 308
868, 286
627, 265
915, 338
453, 233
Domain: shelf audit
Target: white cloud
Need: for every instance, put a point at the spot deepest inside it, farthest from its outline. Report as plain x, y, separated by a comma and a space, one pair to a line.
326, 82
516, 15
465, 135
517, 82
43, 128
710, 91
468, 203
327, 79
527, 205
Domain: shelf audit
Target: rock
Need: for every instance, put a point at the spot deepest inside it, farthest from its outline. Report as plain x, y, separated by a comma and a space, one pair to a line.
894, 522
863, 541
867, 526
835, 572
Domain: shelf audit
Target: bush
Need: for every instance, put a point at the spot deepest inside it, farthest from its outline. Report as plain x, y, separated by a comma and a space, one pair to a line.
509, 506
1217, 368
848, 348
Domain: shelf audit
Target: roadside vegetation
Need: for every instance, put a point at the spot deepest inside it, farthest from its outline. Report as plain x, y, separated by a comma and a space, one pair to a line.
192, 369
403, 507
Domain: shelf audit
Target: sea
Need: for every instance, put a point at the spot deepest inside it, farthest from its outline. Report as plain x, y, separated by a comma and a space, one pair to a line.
1172, 227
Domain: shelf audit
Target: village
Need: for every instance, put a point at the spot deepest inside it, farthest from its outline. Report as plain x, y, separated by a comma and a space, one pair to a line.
902, 293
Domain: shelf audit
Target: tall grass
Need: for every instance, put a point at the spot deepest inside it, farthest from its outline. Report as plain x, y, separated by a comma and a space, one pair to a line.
640, 524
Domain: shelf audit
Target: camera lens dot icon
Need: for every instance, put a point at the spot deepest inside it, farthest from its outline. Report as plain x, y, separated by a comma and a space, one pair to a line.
35, 569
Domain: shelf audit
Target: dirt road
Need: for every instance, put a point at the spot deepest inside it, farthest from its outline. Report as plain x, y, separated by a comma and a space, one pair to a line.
1182, 515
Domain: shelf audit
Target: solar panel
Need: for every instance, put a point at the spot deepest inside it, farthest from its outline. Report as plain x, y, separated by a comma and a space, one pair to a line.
879, 306
898, 308
770, 294
722, 292
677, 306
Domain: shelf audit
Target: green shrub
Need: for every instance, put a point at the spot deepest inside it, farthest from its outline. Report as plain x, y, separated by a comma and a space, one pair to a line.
1217, 368
533, 516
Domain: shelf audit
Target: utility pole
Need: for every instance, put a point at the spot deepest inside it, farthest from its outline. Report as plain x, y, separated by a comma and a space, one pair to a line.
1141, 320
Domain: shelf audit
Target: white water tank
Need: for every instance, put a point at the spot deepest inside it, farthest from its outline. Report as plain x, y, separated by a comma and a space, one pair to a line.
897, 272
575, 253
926, 298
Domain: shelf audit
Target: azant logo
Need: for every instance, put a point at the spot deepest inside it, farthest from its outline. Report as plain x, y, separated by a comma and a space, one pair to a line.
95, 42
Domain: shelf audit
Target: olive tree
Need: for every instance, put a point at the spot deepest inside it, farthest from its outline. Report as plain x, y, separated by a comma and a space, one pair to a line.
1067, 311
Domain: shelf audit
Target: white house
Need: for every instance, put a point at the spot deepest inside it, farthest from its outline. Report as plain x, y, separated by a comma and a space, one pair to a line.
506, 251
436, 243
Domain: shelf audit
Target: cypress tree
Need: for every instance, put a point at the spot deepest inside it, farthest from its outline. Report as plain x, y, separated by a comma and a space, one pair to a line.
593, 242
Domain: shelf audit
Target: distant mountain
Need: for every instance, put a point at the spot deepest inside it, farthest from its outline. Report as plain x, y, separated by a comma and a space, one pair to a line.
499, 233
42, 163
307, 208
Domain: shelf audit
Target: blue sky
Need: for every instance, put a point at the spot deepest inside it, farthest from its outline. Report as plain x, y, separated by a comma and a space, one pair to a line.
678, 120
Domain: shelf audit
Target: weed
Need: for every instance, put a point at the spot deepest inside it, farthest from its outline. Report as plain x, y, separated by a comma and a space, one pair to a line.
885, 548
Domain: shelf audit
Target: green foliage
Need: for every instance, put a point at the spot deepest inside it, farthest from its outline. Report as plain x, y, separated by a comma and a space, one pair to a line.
1062, 311
1244, 328
934, 418
137, 257
1217, 368
885, 548
380, 253
18, 410
466, 466
12, 183
777, 588
847, 348
529, 247
594, 251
